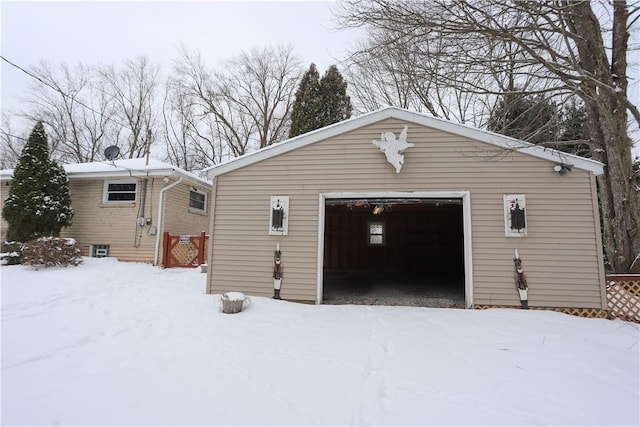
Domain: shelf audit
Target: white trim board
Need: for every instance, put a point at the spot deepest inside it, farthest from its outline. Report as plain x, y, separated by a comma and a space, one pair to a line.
466, 223
317, 135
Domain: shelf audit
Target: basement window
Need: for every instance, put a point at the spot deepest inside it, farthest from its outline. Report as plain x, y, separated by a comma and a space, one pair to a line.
197, 201
98, 250
115, 192
376, 233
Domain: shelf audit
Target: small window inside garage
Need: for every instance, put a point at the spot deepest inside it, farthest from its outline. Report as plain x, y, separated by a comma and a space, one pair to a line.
394, 252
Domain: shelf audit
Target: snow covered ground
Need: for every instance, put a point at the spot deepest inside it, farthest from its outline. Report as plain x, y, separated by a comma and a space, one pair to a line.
110, 343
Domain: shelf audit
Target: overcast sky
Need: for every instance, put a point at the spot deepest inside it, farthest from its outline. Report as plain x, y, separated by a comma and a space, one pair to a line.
108, 32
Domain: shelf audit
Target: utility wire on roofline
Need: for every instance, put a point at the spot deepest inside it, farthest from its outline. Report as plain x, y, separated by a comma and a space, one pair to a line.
60, 91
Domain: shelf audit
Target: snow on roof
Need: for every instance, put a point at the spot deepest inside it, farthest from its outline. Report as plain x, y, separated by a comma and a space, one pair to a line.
348, 125
125, 167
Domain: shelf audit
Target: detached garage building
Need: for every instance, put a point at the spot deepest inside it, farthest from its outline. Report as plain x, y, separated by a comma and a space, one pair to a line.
402, 204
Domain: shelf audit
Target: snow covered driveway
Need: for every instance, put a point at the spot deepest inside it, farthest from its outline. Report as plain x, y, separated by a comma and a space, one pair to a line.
110, 343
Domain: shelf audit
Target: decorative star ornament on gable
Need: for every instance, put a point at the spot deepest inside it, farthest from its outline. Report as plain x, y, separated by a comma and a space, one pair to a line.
393, 148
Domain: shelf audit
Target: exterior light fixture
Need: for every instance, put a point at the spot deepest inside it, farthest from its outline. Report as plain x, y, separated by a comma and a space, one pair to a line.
563, 168
279, 216
377, 210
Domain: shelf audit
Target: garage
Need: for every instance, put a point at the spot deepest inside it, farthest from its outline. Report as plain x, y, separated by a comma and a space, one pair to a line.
394, 251
399, 208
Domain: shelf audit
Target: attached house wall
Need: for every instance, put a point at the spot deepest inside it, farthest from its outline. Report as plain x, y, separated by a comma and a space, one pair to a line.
95, 222
179, 218
561, 254
116, 225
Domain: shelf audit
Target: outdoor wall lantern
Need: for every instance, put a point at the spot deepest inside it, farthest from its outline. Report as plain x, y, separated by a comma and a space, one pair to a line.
277, 271
515, 215
279, 216
563, 168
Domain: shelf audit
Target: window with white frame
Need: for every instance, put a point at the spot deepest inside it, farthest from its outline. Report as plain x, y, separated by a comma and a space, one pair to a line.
122, 192
197, 201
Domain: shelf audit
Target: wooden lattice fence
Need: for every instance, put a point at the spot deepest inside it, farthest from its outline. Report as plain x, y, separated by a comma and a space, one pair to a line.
623, 297
623, 301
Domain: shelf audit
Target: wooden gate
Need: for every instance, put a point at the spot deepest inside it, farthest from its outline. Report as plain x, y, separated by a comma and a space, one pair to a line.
184, 250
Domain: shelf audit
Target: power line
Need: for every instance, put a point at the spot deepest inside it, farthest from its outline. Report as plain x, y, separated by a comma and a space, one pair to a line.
13, 136
60, 91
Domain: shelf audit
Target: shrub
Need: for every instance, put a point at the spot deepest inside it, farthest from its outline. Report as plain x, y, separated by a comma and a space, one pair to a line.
11, 252
51, 251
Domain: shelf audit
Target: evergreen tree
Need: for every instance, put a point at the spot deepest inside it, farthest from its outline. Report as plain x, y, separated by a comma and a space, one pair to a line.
336, 104
529, 118
39, 201
319, 102
573, 127
306, 107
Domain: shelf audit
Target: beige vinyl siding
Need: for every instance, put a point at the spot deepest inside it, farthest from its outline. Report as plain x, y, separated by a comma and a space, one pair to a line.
560, 254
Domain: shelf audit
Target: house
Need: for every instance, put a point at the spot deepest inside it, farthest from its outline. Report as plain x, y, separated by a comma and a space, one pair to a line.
122, 208
409, 205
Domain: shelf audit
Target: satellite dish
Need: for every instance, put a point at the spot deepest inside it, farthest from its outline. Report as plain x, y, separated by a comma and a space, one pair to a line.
111, 152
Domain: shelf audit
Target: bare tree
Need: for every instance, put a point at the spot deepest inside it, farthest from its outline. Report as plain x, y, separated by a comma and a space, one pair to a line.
244, 106
263, 83
190, 137
132, 88
87, 108
76, 115
387, 69
10, 144
564, 47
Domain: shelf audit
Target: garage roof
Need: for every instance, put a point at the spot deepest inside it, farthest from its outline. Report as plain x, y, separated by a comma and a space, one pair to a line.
413, 117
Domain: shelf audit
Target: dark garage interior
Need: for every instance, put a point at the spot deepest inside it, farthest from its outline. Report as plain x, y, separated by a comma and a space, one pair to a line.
394, 252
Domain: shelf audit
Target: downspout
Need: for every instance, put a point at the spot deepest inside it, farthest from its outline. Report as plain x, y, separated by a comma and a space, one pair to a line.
160, 230
141, 222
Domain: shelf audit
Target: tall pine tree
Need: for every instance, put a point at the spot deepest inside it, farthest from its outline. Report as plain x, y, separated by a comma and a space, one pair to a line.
306, 108
319, 102
39, 200
336, 104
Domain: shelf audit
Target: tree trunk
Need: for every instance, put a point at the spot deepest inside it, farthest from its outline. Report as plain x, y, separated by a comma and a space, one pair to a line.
607, 121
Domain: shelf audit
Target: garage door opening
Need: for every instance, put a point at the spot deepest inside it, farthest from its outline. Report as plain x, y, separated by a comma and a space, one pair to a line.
394, 251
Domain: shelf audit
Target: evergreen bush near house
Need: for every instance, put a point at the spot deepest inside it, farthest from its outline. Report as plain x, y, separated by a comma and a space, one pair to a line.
11, 253
50, 252
39, 200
